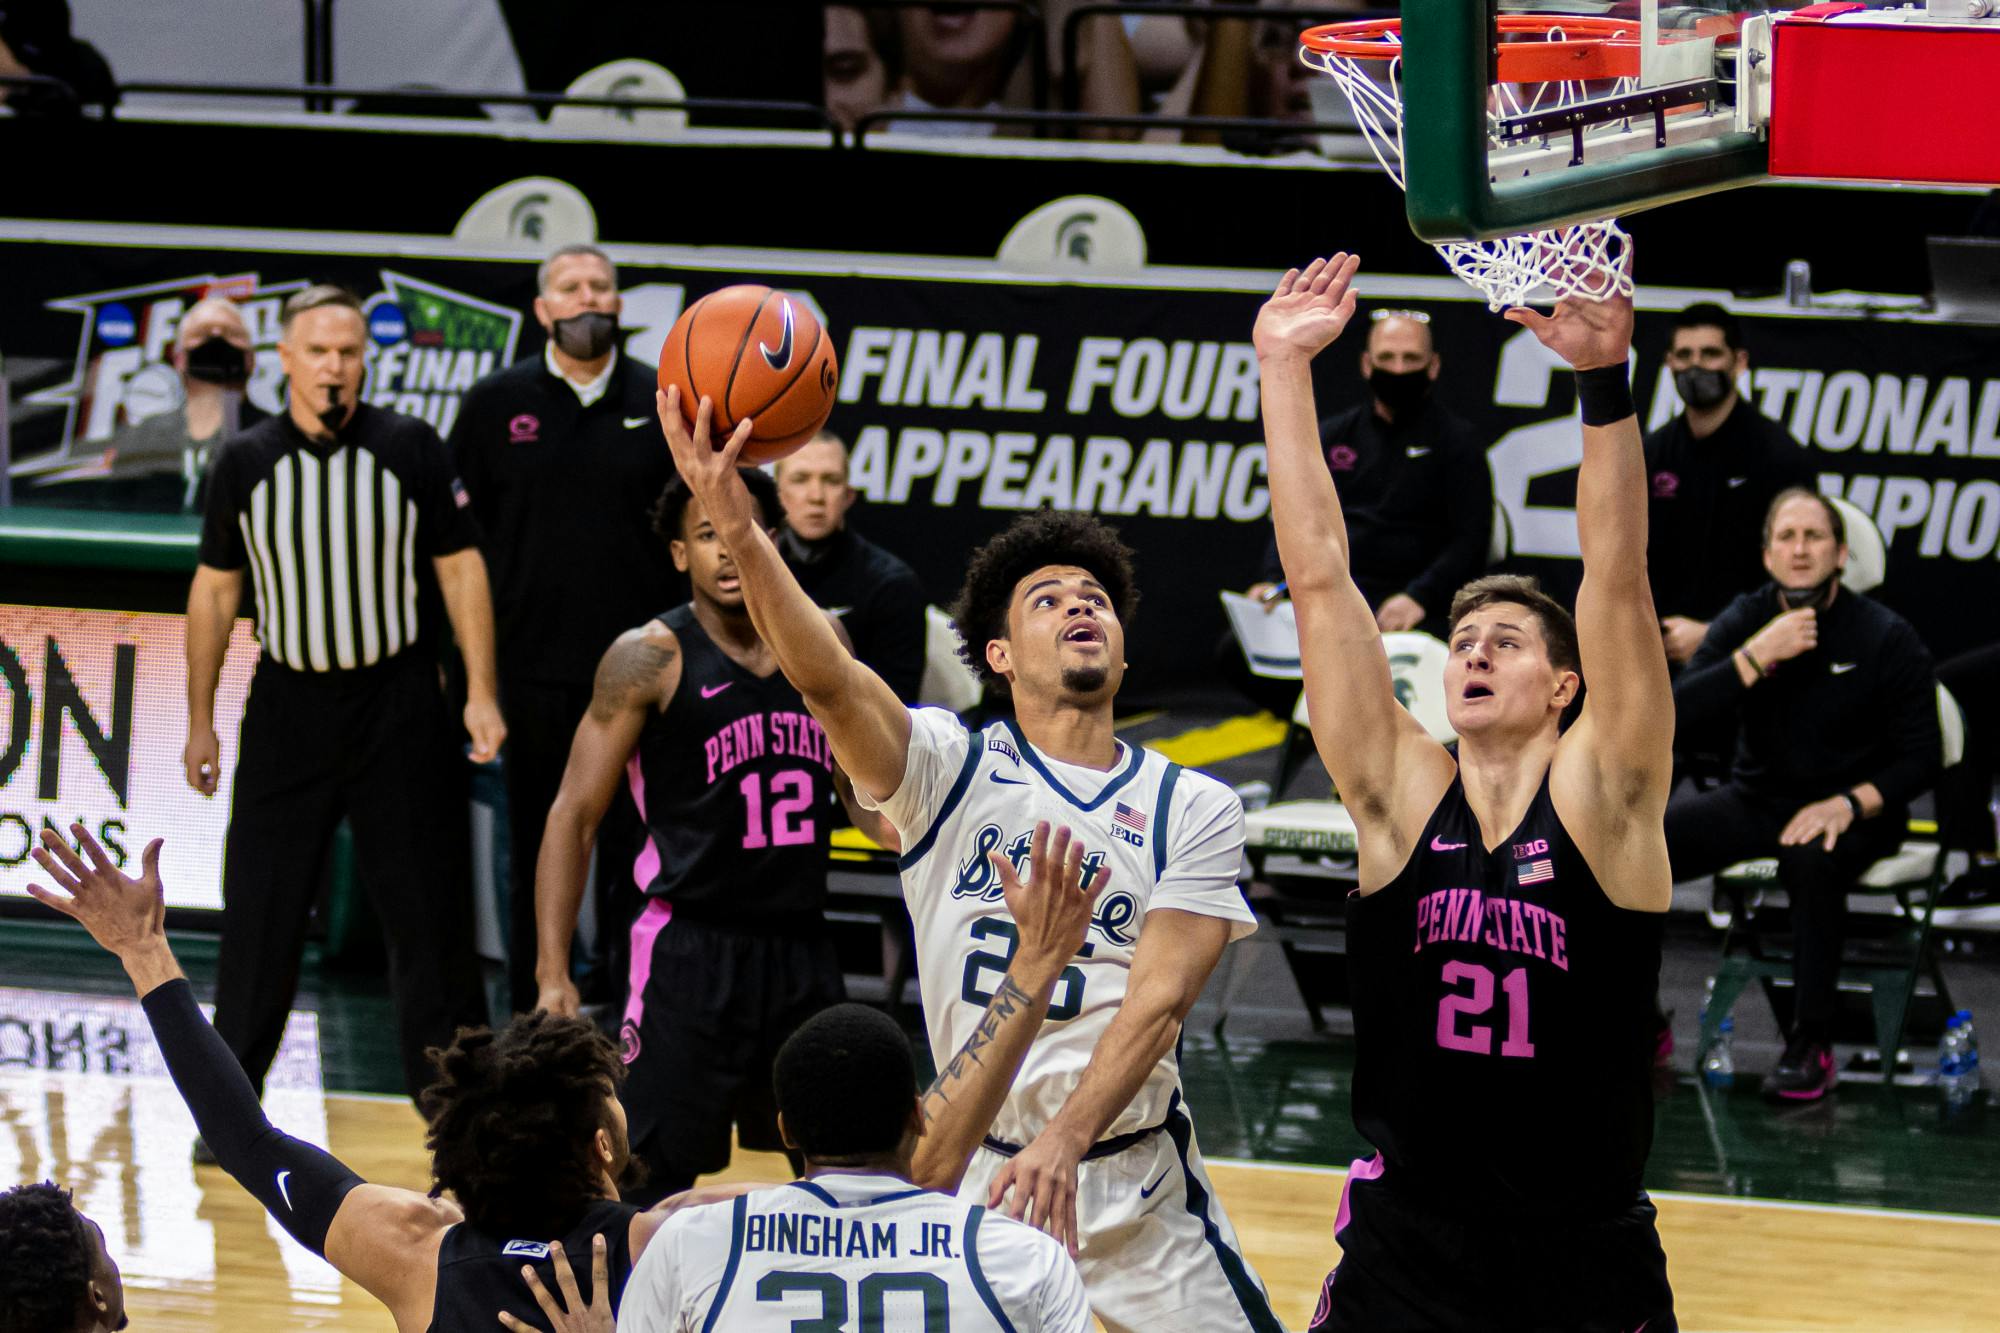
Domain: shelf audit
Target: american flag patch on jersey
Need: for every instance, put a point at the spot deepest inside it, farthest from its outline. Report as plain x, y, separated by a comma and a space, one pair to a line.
1122, 813
1535, 872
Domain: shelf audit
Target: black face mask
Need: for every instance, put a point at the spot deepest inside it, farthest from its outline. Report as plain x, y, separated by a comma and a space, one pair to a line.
1400, 391
587, 336
1702, 389
217, 361
1816, 596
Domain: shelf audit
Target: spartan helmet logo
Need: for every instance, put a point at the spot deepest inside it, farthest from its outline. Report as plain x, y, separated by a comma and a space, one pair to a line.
629, 86
1073, 239
525, 218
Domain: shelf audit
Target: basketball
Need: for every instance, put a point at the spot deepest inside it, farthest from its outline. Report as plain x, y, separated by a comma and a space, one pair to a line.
755, 353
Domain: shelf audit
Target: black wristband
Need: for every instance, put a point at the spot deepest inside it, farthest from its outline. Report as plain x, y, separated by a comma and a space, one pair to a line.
1605, 395
1853, 802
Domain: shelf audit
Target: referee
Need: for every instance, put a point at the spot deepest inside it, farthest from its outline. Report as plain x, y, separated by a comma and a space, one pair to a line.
337, 513
561, 456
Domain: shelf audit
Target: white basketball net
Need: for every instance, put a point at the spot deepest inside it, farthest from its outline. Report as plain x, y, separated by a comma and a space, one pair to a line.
1587, 260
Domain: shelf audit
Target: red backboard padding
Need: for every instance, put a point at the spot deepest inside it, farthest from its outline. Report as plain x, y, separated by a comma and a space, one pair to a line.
1904, 102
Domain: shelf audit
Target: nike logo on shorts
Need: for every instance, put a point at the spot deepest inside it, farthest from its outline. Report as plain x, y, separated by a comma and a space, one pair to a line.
1734, 482
710, 691
1439, 845
284, 1193
1417, 451
1010, 782
1147, 1192
633, 423
1842, 668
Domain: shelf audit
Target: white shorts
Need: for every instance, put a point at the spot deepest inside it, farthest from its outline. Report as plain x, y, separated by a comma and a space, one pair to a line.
1157, 1252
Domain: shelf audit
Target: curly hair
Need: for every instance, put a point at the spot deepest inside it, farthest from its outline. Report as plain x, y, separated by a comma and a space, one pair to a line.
1031, 542
672, 505
512, 1120
46, 1273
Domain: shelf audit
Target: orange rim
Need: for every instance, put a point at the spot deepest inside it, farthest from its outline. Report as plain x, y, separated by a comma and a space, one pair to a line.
1590, 48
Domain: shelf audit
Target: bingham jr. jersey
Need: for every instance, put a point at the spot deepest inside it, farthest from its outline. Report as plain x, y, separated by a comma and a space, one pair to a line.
851, 1251
1172, 838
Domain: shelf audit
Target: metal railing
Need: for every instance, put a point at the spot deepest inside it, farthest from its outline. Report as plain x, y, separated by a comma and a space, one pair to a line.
1255, 126
1297, 18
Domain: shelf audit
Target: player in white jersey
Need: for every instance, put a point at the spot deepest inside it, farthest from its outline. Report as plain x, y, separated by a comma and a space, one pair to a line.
1094, 1144
854, 1244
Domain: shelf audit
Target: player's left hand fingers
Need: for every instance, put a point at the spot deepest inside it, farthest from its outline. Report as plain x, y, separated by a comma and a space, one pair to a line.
732, 448
600, 1270
53, 842
996, 1193
565, 1276
1069, 1235
541, 1293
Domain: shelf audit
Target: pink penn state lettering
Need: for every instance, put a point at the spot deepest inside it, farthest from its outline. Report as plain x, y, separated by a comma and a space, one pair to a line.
780, 733
1512, 925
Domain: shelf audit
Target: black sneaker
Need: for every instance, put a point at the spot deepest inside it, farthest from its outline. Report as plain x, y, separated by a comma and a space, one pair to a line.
1977, 887
203, 1155
1806, 1072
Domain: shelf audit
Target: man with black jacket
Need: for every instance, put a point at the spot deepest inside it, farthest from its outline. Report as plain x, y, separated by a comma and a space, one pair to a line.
1414, 482
1837, 700
561, 456
876, 596
1713, 470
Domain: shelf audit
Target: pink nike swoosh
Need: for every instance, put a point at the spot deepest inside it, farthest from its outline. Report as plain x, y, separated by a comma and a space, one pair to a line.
710, 691
1438, 846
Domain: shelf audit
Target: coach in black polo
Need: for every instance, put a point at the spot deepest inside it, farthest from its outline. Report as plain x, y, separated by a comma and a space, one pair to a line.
346, 522
561, 454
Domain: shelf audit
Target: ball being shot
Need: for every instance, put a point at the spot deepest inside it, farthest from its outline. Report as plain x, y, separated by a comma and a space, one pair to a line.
754, 353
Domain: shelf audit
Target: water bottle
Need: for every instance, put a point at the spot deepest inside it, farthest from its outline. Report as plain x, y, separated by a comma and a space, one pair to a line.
1958, 1064
1798, 284
1718, 1063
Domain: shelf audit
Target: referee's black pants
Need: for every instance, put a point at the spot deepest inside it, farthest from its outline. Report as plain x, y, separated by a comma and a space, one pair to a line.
542, 718
1710, 830
378, 746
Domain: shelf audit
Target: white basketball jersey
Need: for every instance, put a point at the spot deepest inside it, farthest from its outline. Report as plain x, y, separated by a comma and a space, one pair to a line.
851, 1252
1171, 837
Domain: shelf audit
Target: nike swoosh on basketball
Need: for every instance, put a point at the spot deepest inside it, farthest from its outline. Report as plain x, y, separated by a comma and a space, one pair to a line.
1416, 451
710, 691
1011, 782
1147, 1192
1842, 668
283, 1192
781, 358
633, 423
1439, 845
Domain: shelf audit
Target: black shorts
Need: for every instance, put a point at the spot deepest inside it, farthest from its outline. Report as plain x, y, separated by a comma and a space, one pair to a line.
1406, 1267
706, 1013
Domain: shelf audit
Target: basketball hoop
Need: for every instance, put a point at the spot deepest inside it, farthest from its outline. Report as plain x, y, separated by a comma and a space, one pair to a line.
1545, 65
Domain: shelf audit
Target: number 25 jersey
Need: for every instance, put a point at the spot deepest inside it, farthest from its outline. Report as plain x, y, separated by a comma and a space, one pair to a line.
1171, 838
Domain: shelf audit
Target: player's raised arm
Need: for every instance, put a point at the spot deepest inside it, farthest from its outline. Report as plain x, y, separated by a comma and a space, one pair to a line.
1613, 768
864, 720
1388, 770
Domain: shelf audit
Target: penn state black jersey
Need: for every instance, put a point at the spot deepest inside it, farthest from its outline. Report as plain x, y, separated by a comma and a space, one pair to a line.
480, 1275
1503, 1016
735, 783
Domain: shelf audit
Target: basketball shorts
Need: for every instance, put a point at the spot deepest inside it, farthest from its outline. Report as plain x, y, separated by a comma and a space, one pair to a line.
705, 1015
1157, 1253
1405, 1267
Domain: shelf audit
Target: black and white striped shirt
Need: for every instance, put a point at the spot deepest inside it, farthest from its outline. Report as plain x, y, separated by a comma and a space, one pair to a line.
337, 538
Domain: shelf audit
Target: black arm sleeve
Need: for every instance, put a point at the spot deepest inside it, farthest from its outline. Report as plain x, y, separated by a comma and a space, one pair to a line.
1468, 504
1909, 712
1708, 687
300, 1185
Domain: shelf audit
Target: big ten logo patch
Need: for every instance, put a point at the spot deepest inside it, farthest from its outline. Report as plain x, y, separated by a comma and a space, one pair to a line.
977, 877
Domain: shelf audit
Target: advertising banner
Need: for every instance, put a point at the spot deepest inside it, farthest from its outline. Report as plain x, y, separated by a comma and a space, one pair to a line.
969, 396
93, 718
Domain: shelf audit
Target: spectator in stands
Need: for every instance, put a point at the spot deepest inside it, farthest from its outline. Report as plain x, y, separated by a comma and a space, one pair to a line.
1839, 730
1414, 482
57, 1275
35, 40
1714, 470
863, 62
562, 481
158, 463
877, 597
978, 59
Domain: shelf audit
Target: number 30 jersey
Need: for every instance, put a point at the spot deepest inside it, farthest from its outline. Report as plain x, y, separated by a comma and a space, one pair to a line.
1171, 838
734, 780
851, 1250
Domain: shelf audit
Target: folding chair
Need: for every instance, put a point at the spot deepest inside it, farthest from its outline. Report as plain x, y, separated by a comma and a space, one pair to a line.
1900, 892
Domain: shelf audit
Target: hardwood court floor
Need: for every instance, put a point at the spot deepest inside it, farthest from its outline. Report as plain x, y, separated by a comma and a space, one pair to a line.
198, 1254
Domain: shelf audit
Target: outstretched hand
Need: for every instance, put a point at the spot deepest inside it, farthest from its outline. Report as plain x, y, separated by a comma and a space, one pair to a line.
1308, 310
708, 468
126, 916
1587, 334
1052, 909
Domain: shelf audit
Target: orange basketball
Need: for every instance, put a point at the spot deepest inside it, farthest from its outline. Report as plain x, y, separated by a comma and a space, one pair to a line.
755, 353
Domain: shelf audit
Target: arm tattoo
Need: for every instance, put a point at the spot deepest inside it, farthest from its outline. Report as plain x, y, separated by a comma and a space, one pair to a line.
628, 673
1007, 1001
